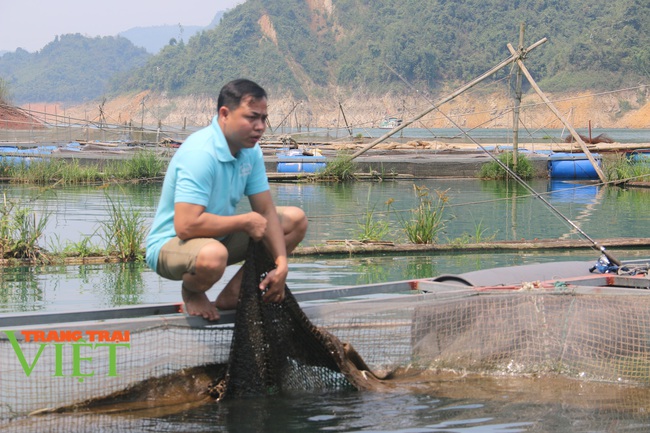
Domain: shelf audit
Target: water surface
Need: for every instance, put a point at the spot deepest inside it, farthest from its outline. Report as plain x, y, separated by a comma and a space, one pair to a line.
491, 210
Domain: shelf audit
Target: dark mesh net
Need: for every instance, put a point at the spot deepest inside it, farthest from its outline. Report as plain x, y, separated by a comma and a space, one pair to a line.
275, 347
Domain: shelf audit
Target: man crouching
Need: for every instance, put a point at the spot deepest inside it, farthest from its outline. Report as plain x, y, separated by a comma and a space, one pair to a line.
196, 233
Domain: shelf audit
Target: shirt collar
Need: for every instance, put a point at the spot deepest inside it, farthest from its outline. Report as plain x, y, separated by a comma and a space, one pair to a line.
221, 145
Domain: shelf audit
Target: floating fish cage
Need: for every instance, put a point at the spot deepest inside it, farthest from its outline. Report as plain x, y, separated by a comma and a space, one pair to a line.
575, 166
519, 320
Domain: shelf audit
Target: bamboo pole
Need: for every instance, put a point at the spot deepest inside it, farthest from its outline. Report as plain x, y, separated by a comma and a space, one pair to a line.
550, 105
345, 119
511, 59
515, 118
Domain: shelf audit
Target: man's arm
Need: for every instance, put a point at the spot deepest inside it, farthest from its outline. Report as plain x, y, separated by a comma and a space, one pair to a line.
274, 241
192, 221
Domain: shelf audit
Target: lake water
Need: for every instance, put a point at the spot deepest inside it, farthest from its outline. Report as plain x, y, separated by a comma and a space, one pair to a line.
483, 135
494, 209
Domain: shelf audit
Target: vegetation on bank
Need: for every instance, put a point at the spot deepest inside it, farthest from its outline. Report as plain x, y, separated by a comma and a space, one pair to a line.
624, 168
22, 230
123, 233
144, 166
495, 171
421, 224
340, 169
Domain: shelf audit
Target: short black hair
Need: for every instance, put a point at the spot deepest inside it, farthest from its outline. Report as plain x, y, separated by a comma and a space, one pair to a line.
233, 92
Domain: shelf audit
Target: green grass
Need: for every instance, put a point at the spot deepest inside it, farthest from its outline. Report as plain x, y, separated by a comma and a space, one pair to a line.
493, 170
22, 235
144, 166
480, 235
55, 171
340, 169
426, 221
21, 231
619, 168
124, 233
372, 227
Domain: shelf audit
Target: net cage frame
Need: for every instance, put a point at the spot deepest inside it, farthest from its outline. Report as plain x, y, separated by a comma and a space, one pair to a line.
596, 329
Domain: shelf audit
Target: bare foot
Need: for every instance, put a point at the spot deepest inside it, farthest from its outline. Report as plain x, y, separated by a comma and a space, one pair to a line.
198, 304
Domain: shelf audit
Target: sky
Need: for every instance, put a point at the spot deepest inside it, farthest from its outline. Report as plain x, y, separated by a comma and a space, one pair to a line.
32, 24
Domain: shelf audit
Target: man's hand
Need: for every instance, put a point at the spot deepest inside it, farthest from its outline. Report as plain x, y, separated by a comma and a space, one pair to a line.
275, 281
255, 226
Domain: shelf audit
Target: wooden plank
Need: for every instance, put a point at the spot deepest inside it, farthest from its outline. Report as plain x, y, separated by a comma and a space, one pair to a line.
537, 244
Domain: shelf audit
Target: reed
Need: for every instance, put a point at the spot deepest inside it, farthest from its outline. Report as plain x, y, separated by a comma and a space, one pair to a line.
124, 232
82, 248
427, 219
340, 169
480, 235
493, 170
21, 230
620, 168
371, 227
143, 166
48, 171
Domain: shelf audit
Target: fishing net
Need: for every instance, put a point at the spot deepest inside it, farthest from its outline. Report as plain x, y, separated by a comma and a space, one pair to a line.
275, 347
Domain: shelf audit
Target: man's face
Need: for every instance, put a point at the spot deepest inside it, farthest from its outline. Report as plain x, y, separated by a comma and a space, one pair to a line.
244, 126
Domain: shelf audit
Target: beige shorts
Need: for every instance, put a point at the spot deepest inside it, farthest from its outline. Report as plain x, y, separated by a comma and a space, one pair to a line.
178, 257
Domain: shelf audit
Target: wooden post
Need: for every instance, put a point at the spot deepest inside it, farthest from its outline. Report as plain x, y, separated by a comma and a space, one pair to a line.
56, 123
345, 119
515, 119
448, 98
557, 113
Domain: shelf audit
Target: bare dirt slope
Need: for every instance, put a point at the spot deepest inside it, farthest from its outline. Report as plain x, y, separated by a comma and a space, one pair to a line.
16, 118
629, 109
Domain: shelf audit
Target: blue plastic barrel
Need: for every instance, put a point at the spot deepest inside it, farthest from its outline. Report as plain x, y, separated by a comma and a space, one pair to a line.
574, 166
301, 164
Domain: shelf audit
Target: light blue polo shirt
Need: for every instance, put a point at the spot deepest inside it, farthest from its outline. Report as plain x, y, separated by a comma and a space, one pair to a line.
204, 172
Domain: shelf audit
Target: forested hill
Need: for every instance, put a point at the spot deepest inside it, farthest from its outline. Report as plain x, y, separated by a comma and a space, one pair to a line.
70, 68
311, 48
308, 46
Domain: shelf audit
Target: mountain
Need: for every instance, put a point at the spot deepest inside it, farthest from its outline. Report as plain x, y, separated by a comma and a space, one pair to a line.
71, 68
154, 38
306, 47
